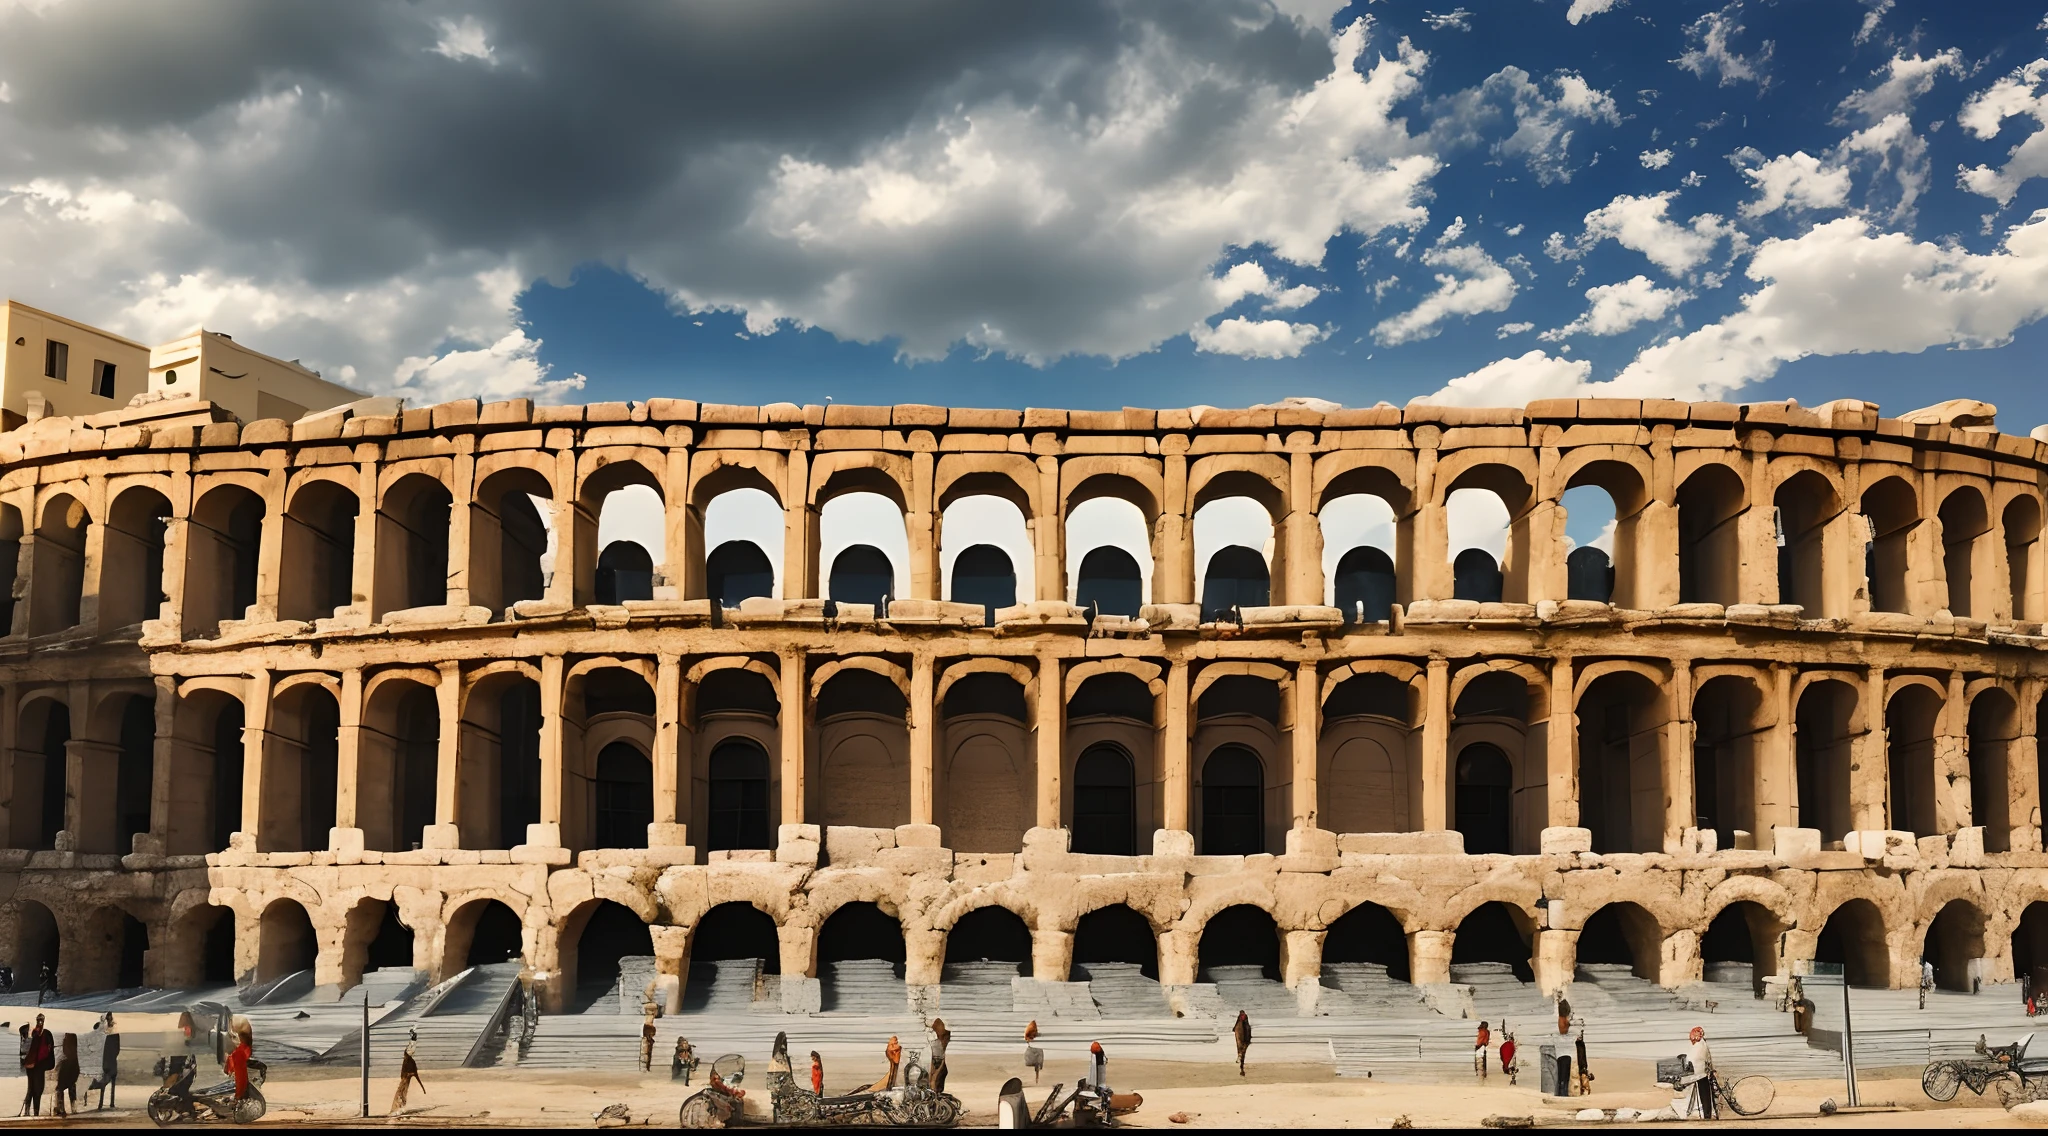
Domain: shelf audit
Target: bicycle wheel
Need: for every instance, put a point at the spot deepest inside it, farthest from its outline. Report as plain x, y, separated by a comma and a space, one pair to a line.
1751, 1095
1941, 1081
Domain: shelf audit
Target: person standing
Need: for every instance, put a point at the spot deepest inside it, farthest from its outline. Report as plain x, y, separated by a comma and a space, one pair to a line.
941, 1037
1242, 1031
685, 1061
817, 1073
110, 1062
24, 1068
67, 1078
1699, 1082
1564, 1016
1034, 1057
42, 1057
408, 1072
1098, 1065
1585, 1075
1507, 1055
1479, 1047
1926, 981
48, 983
647, 1040
237, 1064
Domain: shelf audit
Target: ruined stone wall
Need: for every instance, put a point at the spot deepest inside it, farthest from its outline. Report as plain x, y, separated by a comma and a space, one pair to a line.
292, 674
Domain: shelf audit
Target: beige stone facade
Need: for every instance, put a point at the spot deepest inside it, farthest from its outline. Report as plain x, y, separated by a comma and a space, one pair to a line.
337, 681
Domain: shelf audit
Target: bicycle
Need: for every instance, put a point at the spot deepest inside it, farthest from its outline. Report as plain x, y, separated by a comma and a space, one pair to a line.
1747, 1096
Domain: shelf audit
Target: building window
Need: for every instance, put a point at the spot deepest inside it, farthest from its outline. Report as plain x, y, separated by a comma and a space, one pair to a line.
56, 360
102, 378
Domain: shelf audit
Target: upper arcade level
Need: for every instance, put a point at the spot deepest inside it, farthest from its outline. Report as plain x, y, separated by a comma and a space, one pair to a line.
177, 524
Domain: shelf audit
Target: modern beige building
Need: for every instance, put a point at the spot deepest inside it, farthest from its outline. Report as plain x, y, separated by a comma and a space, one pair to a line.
61, 366
247, 383
284, 696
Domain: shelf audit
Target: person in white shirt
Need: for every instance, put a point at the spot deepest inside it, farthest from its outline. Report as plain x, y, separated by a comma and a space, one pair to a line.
1700, 1082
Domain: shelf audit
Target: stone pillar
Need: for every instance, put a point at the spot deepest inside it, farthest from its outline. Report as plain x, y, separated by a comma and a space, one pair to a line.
922, 731
348, 764
1562, 752
1952, 760
1051, 727
462, 493
799, 531
1173, 566
255, 739
1306, 735
923, 523
1178, 961
1304, 535
1428, 568
671, 966
1173, 750
269, 554
92, 561
1777, 786
158, 840
1436, 742
363, 572
2024, 774
924, 956
553, 770
801, 993
668, 829
1756, 529
1870, 772
1680, 810
1554, 959
1048, 535
445, 831
562, 585
1052, 956
1429, 956
793, 695
92, 769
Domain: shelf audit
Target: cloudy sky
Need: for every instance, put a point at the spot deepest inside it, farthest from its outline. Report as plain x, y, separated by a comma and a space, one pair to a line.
1081, 204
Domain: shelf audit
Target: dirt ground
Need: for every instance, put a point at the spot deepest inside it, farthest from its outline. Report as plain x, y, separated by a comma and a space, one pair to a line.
1212, 1096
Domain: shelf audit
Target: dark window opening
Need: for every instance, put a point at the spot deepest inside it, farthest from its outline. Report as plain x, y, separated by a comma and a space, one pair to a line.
1233, 803
1240, 936
1105, 797
102, 378
861, 692
1109, 583
738, 796
135, 772
1485, 781
1237, 578
986, 693
983, 575
625, 571
56, 360
1476, 576
1365, 585
862, 575
497, 937
1113, 695
519, 725
738, 570
1589, 575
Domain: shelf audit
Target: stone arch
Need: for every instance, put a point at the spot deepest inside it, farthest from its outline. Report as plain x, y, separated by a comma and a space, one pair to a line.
1712, 497
1967, 557
1623, 933
1623, 717
592, 947
1623, 473
1913, 712
1807, 497
2019, 523
1239, 942
481, 926
132, 555
288, 942
222, 549
608, 480
511, 528
1113, 939
1891, 512
1992, 745
1494, 935
1854, 936
497, 782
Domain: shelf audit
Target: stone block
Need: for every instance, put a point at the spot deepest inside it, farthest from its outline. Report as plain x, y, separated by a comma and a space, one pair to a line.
1560, 840
440, 836
1449, 842
345, 840
917, 836
802, 995
668, 834
1170, 842
1793, 843
1310, 842
1876, 844
1966, 848
849, 846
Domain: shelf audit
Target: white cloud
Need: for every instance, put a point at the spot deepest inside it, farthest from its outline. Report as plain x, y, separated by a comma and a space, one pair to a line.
1841, 290
1472, 283
1456, 20
464, 39
1906, 79
1797, 181
1711, 50
1545, 121
1693, 179
1518, 328
1512, 382
1871, 20
509, 368
1614, 308
1654, 159
1249, 279
1255, 339
1984, 115
1891, 146
1582, 10
1640, 223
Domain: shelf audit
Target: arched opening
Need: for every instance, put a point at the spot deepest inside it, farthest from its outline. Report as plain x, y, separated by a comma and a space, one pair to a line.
983, 575
738, 795
1485, 783
317, 575
1493, 938
132, 563
1709, 537
301, 771
737, 571
1805, 506
392, 947
134, 950
1360, 534
2021, 523
286, 944
625, 571
398, 766
10, 564
1955, 945
1233, 802
614, 957
1853, 938
1364, 586
1592, 520
732, 946
510, 539
1105, 798
1727, 736
57, 573
37, 943
1741, 946
1492, 710
41, 775
134, 771
986, 789
218, 952
412, 545
1369, 783
1112, 938
1239, 943
1475, 575
1236, 579
498, 771
622, 797
2030, 947
207, 756
860, 956
1823, 755
1909, 723
1620, 935
1621, 777
864, 746
1963, 521
1891, 513
1109, 554
1477, 521
230, 757
985, 950
1367, 943
862, 575
1994, 731
484, 932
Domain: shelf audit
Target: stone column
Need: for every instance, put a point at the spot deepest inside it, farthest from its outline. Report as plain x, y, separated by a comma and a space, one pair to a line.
1870, 772
1429, 956
668, 830
562, 585
92, 560
446, 832
1436, 743
1051, 726
799, 531
1952, 760
1306, 734
793, 696
348, 830
92, 770
671, 967
1562, 752
1048, 535
2024, 774
922, 729
157, 841
255, 739
1429, 568
1173, 750
553, 769
923, 523
1173, 573
1052, 956
1756, 529
1680, 810
1304, 535
1777, 786
363, 572
269, 553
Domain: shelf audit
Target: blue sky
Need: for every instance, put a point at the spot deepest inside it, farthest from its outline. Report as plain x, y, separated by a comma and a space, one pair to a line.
1117, 202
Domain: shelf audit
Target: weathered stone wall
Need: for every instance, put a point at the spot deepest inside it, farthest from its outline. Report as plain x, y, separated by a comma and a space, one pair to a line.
293, 673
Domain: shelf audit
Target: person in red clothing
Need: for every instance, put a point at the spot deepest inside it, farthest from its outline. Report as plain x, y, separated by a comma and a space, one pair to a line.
1507, 1057
238, 1061
1479, 1047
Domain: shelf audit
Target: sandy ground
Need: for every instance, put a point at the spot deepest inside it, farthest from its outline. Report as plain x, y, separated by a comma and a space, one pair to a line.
1271, 1096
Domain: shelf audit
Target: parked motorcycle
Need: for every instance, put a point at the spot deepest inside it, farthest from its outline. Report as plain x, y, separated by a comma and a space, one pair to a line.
177, 1103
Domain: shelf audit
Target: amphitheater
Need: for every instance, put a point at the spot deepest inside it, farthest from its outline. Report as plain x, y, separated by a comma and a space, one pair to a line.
369, 690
